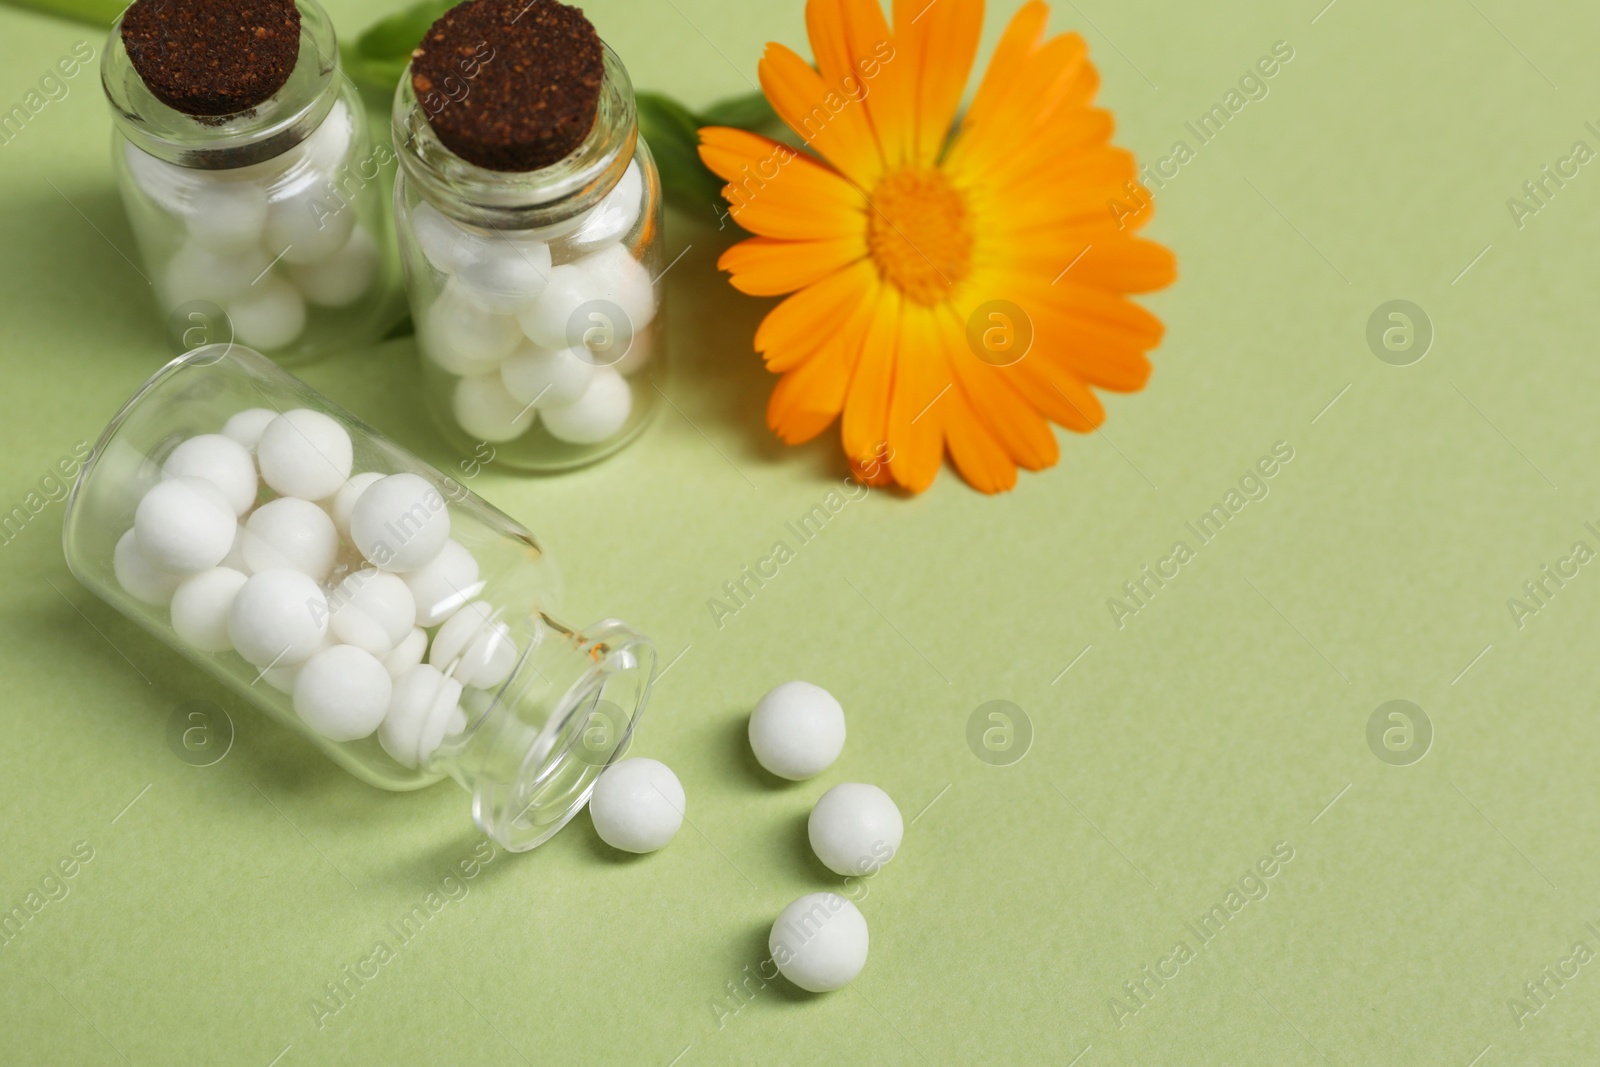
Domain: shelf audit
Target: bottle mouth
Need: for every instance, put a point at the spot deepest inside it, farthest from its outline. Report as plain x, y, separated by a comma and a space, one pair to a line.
546, 199
530, 757
227, 142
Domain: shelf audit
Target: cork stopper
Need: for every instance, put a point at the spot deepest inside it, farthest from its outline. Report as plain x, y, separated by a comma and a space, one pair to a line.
212, 57
530, 71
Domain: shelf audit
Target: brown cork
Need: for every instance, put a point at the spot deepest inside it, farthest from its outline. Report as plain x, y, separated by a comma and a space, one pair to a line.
212, 57
510, 85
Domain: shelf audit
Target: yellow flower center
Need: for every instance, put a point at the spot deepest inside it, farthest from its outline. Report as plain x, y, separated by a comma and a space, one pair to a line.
920, 234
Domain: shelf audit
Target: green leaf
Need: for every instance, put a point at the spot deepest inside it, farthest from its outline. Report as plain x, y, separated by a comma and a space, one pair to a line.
748, 112
94, 12
379, 56
673, 134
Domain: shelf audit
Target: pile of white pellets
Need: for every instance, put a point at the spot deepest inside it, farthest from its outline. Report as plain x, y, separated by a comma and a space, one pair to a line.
264, 241
344, 590
539, 330
819, 942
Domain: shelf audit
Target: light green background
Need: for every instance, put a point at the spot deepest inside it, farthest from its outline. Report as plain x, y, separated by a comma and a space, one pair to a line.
1174, 753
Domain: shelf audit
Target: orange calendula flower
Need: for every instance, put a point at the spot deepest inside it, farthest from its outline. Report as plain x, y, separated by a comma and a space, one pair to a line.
953, 289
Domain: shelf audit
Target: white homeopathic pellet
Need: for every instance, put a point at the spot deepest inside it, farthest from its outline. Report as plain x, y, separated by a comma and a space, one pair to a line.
247, 426
278, 618
637, 805
138, 578
463, 337
614, 216
373, 610
547, 378
819, 942
342, 693
475, 646
225, 216
344, 502
305, 453
546, 321
200, 608
486, 411
408, 653
797, 730
505, 274
444, 583
599, 413
855, 828
400, 522
418, 714
268, 315
184, 525
290, 532
342, 278
616, 277
220, 460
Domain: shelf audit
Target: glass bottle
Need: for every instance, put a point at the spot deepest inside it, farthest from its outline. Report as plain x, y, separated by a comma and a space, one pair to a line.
487, 686
269, 226
536, 294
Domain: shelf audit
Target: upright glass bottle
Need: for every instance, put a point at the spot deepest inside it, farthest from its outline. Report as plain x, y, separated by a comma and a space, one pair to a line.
253, 525
274, 216
536, 294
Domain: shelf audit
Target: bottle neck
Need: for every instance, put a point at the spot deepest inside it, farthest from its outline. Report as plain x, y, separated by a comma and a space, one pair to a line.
543, 199
529, 755
227, 142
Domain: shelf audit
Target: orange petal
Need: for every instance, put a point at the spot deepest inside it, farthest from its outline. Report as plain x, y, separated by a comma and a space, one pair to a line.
808, 398
976, 455
865, 428
800, 324
1010, 418
862, 60
764, 266
940, 40
921, 380
778, 192
1021, 37
825, 119
1057, 392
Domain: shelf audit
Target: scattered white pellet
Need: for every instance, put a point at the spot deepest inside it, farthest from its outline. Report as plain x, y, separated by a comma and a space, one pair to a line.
797, 730
855, 828
637, 805
819, 942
